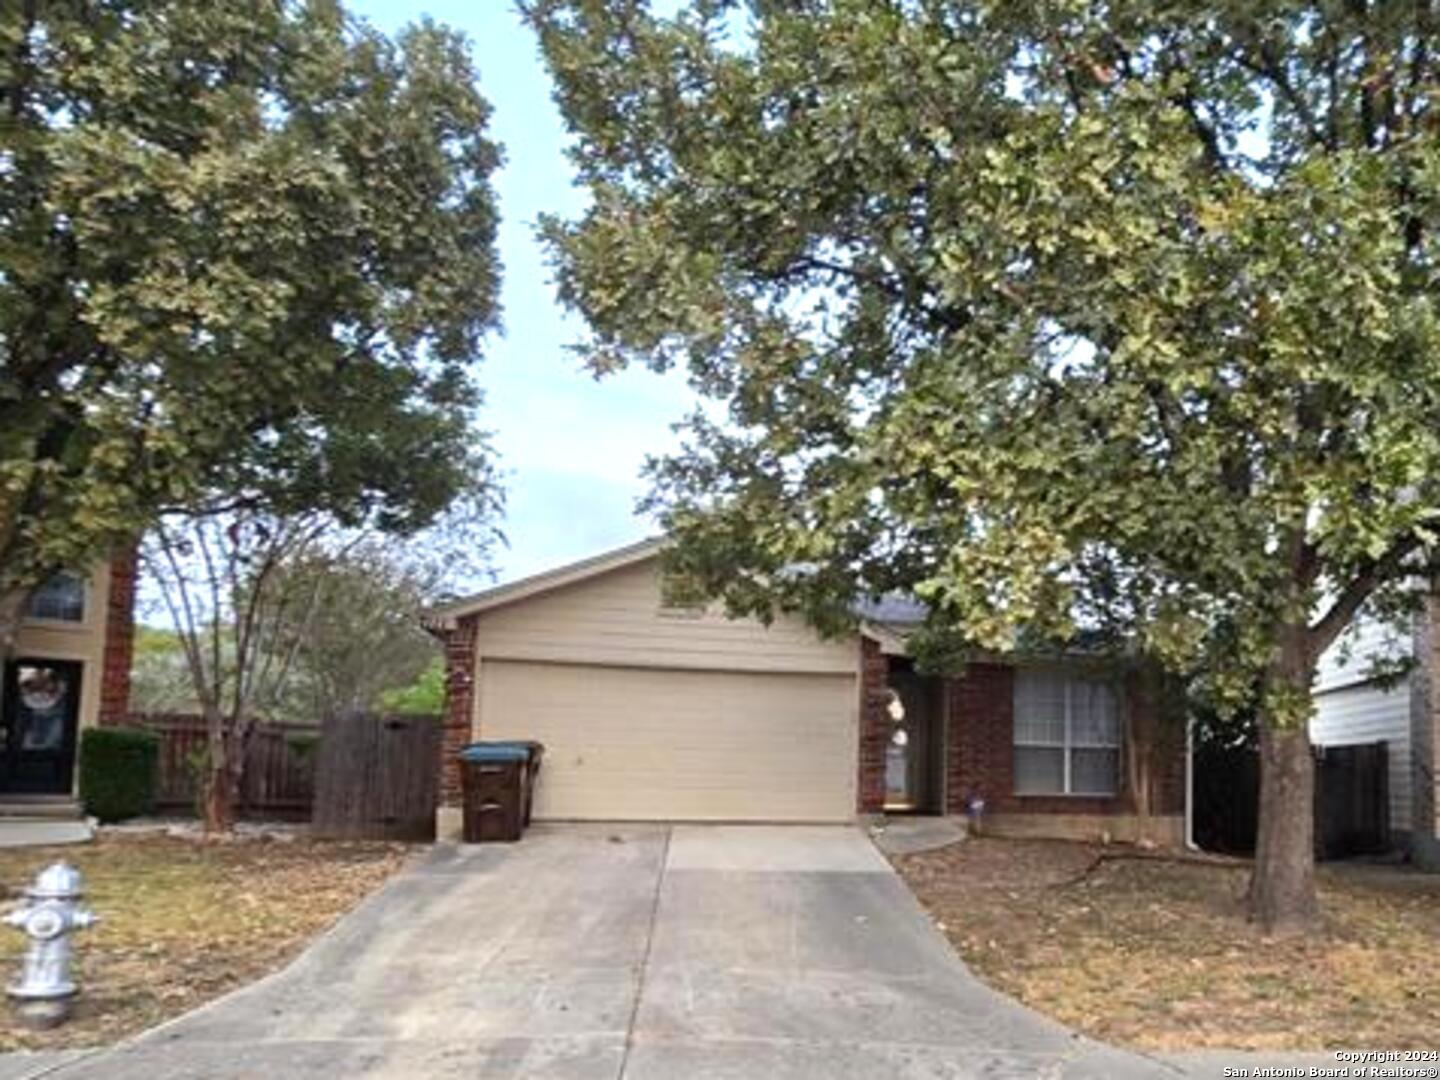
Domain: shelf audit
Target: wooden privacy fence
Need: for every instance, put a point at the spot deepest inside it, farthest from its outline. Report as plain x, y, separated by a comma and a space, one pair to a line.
1352, 799
1226, 796
279, 765
377, 777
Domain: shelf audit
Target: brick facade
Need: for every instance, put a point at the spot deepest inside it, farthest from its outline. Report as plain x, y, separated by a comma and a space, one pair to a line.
979, 716
874, 728
119, 650
976, 716
979, 709
459, 712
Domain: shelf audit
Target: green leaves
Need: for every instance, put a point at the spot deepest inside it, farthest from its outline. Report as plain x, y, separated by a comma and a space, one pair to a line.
1071, 319
246, 248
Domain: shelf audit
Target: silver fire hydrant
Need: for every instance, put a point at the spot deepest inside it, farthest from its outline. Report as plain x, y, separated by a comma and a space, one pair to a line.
50, 914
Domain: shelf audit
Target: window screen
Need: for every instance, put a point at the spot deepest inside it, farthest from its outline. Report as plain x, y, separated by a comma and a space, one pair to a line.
1067, 735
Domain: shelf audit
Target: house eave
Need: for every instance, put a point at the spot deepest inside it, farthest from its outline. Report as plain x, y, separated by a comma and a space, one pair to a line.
444, 617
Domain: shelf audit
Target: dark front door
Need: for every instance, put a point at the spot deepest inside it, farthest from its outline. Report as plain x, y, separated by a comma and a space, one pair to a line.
42, 712
912, 758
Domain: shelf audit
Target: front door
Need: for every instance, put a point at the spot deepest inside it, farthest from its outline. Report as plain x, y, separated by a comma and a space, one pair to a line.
912, 756
41, 715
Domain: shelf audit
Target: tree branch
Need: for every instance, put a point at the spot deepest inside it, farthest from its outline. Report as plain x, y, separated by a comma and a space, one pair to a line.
1268, 66
1204, 131
1323, 632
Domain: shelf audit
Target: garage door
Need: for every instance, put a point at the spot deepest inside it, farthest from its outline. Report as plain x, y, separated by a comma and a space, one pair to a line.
644, 743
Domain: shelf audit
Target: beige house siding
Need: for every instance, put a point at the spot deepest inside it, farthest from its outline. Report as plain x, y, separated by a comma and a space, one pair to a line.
618, 618
83, 641
649, 712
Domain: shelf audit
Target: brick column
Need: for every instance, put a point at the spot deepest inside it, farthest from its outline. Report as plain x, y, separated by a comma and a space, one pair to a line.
119, 649
459, 714
979, 721
874, 728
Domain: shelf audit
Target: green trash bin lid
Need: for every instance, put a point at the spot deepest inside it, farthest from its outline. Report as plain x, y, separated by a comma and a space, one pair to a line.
530, 746
494, 752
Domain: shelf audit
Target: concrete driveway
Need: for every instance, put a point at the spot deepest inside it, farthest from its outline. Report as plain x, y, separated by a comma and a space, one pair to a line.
642, 952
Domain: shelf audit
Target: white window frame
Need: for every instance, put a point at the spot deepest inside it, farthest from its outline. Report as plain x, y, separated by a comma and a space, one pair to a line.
1069, 745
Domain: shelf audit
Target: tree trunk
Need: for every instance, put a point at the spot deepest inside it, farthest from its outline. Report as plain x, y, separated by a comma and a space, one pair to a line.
219, 801
1282, 885
1156, 723
219, 793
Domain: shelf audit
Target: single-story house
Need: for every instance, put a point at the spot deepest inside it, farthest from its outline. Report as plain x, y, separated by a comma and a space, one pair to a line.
650, 711
70, 669
1353, 706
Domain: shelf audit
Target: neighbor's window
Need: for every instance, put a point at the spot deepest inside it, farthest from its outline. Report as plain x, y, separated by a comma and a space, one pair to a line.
1067, 735
62, 598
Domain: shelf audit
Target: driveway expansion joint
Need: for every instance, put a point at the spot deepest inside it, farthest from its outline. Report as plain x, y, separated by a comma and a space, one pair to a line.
644, 965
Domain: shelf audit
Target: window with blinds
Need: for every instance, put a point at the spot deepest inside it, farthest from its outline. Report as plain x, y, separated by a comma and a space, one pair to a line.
1067, 734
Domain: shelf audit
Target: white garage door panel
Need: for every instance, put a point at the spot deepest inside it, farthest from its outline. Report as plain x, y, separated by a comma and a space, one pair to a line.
644, 743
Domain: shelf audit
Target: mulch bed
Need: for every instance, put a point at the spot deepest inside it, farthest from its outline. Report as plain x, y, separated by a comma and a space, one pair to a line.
1155, 951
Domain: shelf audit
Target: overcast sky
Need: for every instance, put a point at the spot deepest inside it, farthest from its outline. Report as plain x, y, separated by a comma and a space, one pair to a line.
571, 447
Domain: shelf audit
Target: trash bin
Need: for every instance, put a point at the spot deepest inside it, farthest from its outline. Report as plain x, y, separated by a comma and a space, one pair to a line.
536, 751
493, 779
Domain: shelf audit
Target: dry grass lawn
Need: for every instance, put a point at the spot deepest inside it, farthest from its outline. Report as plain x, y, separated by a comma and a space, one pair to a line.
185, 921
1157, 954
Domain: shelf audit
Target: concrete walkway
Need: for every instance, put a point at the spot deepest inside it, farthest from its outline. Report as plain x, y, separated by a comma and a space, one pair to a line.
43, 832
923, 832
636, 952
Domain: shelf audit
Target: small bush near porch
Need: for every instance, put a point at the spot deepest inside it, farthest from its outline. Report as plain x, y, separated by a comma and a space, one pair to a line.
185, 921
1157, 953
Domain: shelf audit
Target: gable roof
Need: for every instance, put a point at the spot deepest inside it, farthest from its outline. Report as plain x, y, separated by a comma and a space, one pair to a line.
444, 615
886, 620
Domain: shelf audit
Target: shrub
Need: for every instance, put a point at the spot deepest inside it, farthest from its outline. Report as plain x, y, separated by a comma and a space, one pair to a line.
117, 772
424, 696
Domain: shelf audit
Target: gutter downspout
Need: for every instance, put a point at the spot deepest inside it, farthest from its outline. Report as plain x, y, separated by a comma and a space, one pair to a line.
1190, 784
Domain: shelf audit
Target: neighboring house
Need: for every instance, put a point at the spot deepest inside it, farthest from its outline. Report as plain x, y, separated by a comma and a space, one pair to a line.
1352, 706
70, 670
674, 713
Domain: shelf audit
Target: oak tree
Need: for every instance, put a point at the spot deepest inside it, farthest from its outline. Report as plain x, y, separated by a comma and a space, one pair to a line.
244, 247
1064, 315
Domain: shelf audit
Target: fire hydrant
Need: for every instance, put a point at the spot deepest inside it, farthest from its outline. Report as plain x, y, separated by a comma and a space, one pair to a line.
50, 914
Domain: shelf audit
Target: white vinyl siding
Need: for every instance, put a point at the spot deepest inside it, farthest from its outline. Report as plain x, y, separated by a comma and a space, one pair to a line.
1351, 708
625, 743
1349, 661
1067, 734
1367, 714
